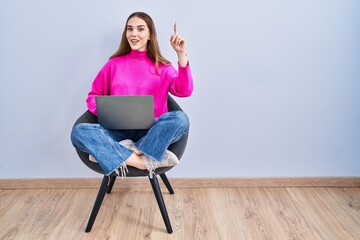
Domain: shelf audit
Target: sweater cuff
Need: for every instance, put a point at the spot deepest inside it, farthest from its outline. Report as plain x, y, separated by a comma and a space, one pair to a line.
187, 65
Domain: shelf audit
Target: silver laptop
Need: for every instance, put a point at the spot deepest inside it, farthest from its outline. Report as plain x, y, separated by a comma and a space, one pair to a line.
125, 112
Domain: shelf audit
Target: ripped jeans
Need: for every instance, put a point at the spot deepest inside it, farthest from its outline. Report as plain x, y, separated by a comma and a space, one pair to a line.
104, 144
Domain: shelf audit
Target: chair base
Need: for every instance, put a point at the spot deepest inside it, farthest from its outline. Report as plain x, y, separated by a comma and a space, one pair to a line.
107, 185
159, 198
98, 202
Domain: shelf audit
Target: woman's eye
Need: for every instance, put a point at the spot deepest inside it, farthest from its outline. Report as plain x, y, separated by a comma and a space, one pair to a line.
129, 29
141, 29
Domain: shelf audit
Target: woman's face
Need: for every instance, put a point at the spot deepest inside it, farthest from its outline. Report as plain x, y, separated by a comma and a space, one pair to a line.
137, 34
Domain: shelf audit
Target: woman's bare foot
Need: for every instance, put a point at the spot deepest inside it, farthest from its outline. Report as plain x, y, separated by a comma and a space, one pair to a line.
136, 161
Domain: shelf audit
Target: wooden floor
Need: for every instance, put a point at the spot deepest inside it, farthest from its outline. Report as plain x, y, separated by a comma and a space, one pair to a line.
195, 213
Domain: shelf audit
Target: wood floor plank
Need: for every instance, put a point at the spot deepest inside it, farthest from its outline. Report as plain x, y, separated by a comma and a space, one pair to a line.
15, 217
258, 215
291, 220
349, 198
195, 213
122, 211
198, 216
227, 209
345, 205
322, 220
75, 205
49, 207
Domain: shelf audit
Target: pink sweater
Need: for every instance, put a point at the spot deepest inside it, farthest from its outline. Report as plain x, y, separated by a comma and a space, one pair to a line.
135, 74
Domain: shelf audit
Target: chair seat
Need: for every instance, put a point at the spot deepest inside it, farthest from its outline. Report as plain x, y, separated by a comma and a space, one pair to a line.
177, 148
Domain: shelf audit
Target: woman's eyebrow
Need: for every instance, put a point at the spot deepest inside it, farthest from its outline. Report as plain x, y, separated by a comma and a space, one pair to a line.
136, 26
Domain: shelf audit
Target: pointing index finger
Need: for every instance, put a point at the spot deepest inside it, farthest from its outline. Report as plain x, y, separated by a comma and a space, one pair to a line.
175, 29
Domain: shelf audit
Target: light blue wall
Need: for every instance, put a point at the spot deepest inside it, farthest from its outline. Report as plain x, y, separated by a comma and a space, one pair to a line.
276, 83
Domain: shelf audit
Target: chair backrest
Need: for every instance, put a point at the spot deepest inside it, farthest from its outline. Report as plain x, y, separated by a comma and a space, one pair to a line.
177, 148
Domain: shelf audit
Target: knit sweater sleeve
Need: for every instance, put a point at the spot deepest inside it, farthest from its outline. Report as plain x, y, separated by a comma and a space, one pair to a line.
181, 82
100, 86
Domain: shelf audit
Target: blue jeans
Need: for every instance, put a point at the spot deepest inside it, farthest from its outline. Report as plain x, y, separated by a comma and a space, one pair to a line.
104, 144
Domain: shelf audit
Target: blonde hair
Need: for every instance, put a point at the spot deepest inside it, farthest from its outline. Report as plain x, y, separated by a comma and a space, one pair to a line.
153, 49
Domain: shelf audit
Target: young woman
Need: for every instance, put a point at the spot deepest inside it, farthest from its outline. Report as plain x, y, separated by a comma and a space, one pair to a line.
138, 68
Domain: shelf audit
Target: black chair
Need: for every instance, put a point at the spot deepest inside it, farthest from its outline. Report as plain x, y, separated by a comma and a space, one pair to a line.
107, 184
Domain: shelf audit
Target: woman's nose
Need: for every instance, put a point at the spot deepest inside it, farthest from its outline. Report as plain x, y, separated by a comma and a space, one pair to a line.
134, 33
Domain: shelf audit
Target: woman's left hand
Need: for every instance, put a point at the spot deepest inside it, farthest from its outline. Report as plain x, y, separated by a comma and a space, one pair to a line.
179, 45
177, 42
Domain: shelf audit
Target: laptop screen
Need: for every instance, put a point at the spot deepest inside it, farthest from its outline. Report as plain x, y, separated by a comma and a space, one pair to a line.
125, 112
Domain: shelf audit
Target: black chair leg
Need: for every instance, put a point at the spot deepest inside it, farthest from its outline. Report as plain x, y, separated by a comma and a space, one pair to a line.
98, 202
159, 198
167, 183
111, 184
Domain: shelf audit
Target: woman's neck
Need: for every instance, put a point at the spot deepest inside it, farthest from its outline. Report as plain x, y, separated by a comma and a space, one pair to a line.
138, 54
